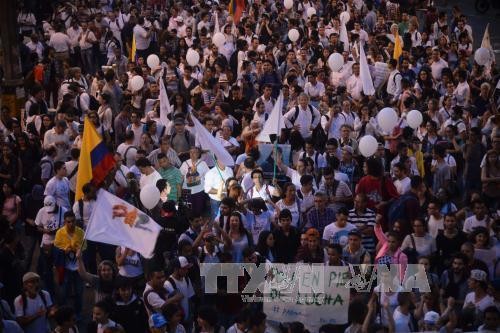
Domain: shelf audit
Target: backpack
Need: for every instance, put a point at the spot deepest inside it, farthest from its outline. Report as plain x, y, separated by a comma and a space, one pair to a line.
37, 172
93, 104
411, 252
397, 209
162, 294
172, 282
296, 114
24, 301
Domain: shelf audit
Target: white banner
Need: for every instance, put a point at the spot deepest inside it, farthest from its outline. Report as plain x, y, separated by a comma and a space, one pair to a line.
319, 297
115, 221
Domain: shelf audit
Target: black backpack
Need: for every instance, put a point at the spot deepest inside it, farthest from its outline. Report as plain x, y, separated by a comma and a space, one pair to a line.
93, 104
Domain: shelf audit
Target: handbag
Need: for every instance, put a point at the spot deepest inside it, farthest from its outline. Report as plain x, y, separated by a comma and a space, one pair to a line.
411, 252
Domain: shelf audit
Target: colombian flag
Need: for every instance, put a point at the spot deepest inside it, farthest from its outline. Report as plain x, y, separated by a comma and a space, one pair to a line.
236, 9
398, 48
95, 159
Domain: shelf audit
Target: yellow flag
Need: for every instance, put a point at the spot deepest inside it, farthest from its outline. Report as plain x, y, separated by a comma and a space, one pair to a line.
132, 51
398, 48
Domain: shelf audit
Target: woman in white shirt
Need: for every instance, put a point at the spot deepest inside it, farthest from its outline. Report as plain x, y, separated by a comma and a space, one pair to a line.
291, 202
105, 113
129, 265
420, 239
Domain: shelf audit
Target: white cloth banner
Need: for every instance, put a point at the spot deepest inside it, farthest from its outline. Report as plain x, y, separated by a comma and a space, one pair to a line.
213, 145
165, 108
115, 221
364, 73
275, 123
327, 301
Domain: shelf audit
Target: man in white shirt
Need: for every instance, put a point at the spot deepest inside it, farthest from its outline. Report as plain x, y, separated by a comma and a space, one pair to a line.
303, 118
394, 87
215, 181
86, 41
333, 121
57, 138
149, 176
479, 219
58, 186
437, 64
266, 99
35, 46
354, 84
314, 89
179, 283
142, 38
72, 169
363, 35
402, 181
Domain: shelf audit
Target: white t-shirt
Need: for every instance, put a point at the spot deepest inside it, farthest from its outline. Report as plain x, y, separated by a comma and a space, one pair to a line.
336, 235
482, 304
150, 179
472, 222
46, 219
401, 321
194, 180
434, 225
41, 324
403, 186
213, 180
59, 189
257, 223
425, 245
185, 289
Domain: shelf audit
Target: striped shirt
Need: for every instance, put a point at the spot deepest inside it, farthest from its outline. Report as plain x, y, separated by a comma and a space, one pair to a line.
361, 220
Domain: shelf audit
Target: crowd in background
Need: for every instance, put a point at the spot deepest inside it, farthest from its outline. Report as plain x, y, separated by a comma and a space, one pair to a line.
428, 195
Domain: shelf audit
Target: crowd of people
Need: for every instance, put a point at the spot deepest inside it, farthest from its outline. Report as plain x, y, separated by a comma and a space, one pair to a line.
427, 196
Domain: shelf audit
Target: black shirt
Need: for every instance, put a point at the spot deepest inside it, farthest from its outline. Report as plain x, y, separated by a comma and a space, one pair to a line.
286, 246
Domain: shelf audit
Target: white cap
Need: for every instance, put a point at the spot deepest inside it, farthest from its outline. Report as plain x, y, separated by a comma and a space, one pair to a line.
179, 19
49, 201
478, 275
431, 317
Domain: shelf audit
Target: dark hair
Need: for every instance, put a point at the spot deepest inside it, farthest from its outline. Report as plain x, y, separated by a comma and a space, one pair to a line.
58, 165
129, 135
335, 247
257, 319
209, 314
416, 181
63, 314
262, 246
69, 213
143, 162
343, 211
103, 305
374, 167
357, 311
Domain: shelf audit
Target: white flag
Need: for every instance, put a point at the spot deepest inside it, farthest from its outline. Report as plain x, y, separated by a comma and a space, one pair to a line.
208, 142
364, 73
165, 108
486, 42
115, 221
275, 123
343, 37
217, 27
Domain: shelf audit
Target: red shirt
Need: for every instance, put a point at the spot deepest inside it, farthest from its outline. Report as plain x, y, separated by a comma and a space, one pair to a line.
375, 194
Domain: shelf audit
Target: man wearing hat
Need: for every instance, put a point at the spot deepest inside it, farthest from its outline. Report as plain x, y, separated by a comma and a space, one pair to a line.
158, 323
33, 306
478, 298
179, 283
181, 140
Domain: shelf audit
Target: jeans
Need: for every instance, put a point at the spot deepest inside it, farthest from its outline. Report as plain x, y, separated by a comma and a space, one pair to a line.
88, 64
72, 282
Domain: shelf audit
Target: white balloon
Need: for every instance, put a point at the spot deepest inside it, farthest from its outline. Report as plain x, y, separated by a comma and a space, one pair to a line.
482, 56
368, 145
192, 57
414, 119
150, 195
288, 4
311, 11
137, 83
219, 39
153, 61
293, 35
387, 118
335, 61
344, 17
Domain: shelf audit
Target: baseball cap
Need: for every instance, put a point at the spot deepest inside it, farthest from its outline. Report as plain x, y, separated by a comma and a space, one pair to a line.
30, 276
478, 275
431, 318
179, 121
157, 320
182, 262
